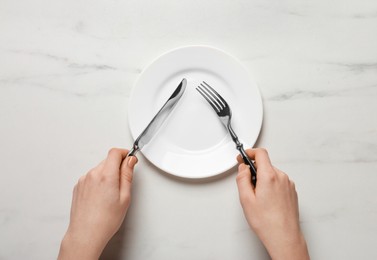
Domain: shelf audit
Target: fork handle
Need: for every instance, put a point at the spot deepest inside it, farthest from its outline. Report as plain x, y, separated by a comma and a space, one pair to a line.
250, 163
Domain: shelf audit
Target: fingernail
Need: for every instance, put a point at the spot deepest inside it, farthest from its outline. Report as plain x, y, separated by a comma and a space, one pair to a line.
242, 167
131, 161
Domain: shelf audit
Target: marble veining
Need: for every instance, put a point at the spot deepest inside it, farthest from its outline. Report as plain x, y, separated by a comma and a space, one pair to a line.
66, 72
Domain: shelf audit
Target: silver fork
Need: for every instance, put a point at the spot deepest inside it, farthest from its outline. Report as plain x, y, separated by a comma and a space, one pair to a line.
224, 112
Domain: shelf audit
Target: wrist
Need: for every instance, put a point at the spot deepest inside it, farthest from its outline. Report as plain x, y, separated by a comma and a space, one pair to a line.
75, 247
289, 247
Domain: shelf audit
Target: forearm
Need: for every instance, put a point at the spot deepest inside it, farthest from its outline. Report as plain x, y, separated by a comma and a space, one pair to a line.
290, 248
73, 249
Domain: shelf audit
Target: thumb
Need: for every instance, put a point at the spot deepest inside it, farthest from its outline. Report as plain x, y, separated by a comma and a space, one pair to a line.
126, 176
245, 188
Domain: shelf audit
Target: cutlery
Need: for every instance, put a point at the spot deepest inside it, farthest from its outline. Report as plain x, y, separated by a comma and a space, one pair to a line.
158, 119
224, 112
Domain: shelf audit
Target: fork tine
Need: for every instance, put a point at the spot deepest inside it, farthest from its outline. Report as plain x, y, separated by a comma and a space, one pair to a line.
208, 98
213, 96
218, 96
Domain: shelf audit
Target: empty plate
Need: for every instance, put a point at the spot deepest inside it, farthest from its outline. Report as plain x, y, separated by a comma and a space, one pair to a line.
192, 142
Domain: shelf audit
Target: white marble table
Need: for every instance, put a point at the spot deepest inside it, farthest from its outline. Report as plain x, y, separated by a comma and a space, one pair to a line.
66, 71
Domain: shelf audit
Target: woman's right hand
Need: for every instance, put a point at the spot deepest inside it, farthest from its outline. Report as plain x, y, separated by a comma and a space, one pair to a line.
271, 209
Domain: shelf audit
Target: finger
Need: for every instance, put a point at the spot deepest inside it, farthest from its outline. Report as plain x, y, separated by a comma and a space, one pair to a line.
249, 153
261, 157
245, 188
114, 160
240, 160
126, 176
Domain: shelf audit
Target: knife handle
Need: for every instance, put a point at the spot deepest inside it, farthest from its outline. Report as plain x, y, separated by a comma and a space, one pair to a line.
251, 165
133, 151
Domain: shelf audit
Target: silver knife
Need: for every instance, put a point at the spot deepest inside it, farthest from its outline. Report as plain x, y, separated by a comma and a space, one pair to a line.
158, 119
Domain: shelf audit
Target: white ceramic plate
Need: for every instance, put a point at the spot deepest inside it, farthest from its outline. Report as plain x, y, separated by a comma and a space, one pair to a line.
192, 143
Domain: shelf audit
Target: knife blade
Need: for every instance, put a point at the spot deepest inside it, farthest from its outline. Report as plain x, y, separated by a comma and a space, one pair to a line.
158, 119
